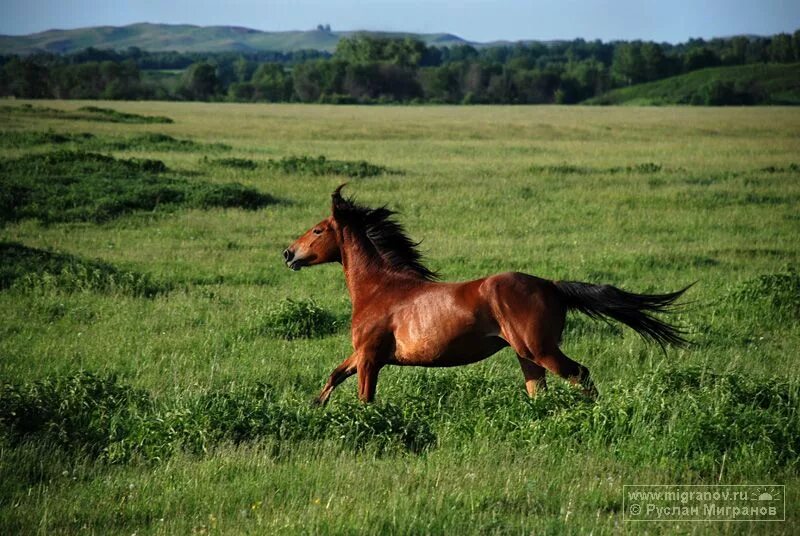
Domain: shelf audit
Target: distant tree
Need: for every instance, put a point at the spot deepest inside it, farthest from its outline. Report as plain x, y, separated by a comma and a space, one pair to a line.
199, 81
272, 83
654, 62
23, 77
241, 92
796, 45
780, 48
369, 49
736, 51
591, 78
313, 80
700, 58
243, 69
629, 65
442, 84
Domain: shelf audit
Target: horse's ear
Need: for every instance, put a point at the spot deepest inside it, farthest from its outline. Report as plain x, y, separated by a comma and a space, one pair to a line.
337, 201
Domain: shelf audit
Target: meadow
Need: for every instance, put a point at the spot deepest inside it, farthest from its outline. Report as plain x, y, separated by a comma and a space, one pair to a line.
157, 358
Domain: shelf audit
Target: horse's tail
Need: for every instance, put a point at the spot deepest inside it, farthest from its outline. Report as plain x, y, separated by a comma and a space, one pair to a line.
634, 310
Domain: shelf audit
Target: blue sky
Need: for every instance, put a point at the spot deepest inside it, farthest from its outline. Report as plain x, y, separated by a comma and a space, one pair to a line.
477, 20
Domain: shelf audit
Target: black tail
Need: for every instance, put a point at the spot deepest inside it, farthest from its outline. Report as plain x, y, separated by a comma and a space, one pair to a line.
634, 310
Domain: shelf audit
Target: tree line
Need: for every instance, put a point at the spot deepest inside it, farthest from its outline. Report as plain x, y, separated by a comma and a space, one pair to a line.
371, 69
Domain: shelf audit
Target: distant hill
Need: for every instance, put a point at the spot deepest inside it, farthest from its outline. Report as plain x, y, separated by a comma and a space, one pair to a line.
188, 38
771, 83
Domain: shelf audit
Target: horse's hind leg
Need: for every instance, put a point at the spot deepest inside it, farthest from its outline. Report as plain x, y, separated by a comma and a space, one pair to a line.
554, 360
535, 380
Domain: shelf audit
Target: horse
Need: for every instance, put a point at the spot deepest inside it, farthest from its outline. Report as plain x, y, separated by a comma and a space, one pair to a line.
402, 314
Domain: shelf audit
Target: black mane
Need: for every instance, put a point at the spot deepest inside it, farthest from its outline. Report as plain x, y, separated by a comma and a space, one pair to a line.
388, 236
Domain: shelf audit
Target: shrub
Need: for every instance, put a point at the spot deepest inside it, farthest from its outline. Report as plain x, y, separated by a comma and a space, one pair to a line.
290, 319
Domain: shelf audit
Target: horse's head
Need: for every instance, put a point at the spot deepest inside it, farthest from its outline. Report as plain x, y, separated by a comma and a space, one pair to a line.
318, 245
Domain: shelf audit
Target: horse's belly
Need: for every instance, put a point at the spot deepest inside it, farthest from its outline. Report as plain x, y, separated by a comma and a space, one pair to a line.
459, 351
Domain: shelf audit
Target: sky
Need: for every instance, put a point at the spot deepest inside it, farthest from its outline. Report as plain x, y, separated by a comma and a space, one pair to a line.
476, 20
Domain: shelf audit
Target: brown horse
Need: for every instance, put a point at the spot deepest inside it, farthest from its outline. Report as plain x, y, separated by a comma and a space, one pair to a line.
402, 315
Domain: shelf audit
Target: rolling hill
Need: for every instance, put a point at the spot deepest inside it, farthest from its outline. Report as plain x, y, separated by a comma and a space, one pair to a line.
769, 83
188, 38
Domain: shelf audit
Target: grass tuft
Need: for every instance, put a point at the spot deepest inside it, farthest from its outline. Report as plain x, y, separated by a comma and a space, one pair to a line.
319, 165
569, 169
779, 291
234, 163
297, 319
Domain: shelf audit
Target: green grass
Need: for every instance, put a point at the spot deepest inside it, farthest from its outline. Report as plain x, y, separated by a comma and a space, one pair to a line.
150, 141
768, 83
187, 408
79, 186
38, 270
85, 113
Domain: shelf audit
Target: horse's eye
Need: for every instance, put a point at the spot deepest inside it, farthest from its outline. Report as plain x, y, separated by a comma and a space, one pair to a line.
318, 231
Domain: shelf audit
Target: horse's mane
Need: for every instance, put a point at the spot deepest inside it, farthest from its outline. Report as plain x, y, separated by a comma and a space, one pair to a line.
389, 237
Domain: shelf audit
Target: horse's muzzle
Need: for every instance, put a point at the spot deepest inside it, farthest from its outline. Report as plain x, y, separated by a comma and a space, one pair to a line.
291, 261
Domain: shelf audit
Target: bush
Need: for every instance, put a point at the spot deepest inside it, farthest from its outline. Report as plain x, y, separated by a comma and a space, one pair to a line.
290, 319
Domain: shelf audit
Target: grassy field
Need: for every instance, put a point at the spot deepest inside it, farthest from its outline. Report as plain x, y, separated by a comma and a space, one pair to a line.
157, 359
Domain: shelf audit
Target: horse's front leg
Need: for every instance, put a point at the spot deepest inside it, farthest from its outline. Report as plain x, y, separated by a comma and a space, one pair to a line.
367, 379
346, 369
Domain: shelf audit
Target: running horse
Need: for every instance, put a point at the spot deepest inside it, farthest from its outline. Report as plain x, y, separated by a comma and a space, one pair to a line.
403, 315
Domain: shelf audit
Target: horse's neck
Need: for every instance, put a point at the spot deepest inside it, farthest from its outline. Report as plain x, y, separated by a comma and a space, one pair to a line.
364, 269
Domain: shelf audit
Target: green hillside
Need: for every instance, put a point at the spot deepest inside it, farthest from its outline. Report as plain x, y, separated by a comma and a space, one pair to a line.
188, 38
742, 84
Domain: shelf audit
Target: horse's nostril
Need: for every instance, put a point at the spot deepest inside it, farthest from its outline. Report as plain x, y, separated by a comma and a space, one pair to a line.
288, 254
